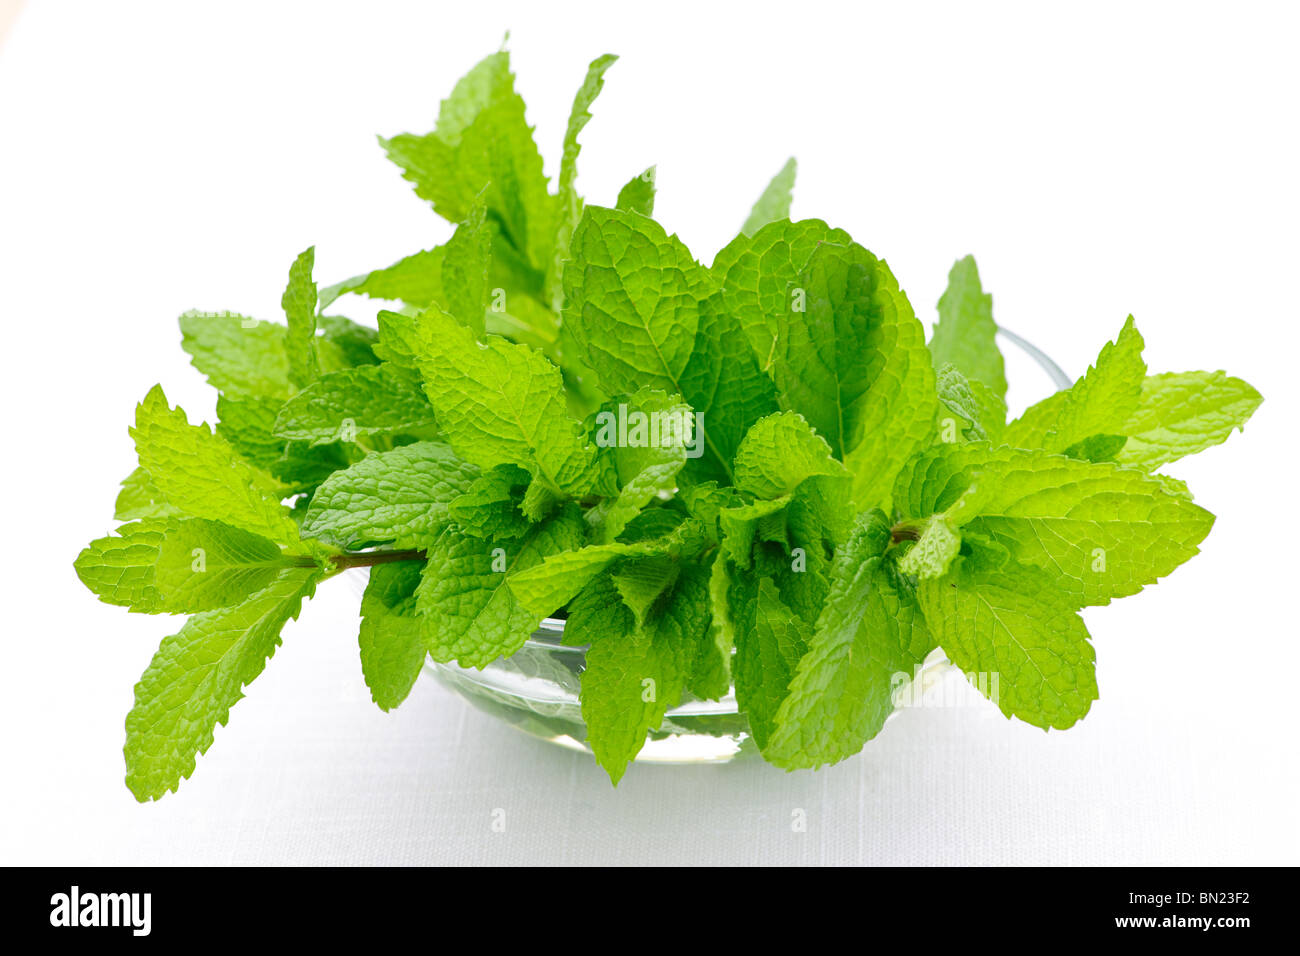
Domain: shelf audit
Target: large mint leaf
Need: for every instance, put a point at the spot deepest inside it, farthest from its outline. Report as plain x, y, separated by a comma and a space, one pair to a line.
364, 401
392, 635
774, 203
1100, 531
399, 496
869, 631
632, 296
965, 335
855, 365
181, 565
200, 474
1018, 638
779, 453
195, 678
757, 274
1181, 413
239, 355
501, 404
469, 612
1099, 403
641, 313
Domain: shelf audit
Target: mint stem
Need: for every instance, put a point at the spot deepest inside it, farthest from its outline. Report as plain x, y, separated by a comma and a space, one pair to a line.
365, 559
905, 531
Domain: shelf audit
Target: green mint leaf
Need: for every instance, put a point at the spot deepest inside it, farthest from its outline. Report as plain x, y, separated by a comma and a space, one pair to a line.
639, 194
569, 201
726, 389
399, 342
140, 498
346, 344
634, 674
399, 496
491, 506
740, 525
869, 630
392, 635
968, 409
1099, 403
770, 640
119, 569
203, 565
195, 678
632, 296
774, 204
1097, 448
239, 355
641, 582
180, 565
1099, 530
855, 365
552, 584
248, 423
756, 275
483, 141
501, 403
466, 270
639, 310
299, 304
646, 438
363, 401
415, 280
1017, 636
798, 559
779, 453
200, 474
1181, 413
470, 613
934, 551
965, 335
710, 677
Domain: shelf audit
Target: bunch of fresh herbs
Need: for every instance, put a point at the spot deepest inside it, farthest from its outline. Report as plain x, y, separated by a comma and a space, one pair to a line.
754, 476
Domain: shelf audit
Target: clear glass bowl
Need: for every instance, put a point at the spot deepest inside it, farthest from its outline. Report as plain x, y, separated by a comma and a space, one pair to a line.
536, 689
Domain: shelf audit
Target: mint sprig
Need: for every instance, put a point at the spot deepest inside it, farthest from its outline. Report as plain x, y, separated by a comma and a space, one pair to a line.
756, 475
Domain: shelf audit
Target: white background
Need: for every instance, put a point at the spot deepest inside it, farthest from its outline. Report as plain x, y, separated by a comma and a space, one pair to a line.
1098, 161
